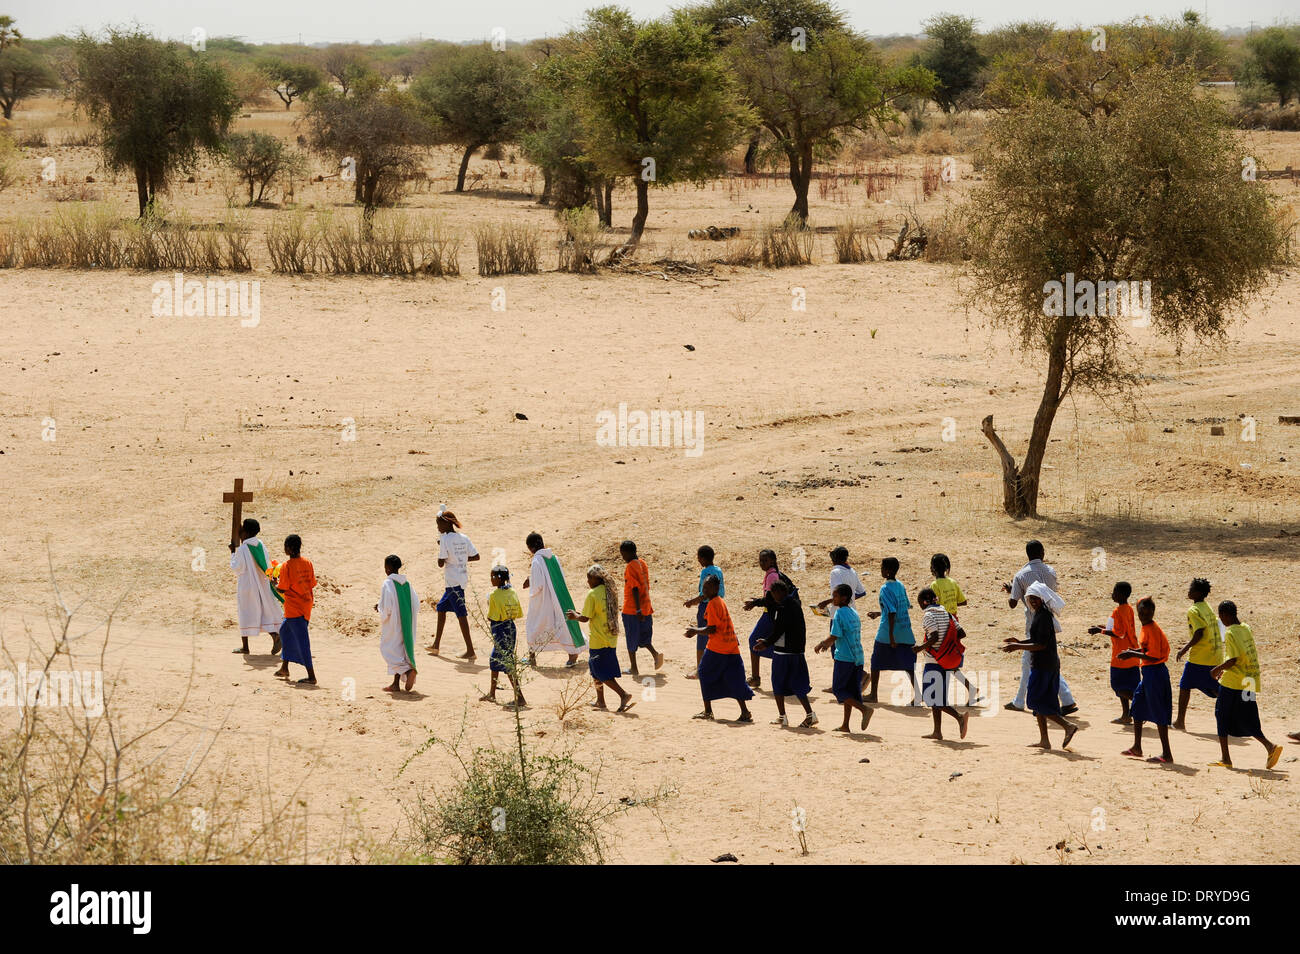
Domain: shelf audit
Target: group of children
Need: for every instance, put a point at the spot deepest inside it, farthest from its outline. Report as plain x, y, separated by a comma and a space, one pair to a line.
1222, 663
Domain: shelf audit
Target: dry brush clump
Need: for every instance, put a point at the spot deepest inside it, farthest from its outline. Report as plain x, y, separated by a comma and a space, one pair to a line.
581, 240
850, 244
786, 244
386, 243
509, 248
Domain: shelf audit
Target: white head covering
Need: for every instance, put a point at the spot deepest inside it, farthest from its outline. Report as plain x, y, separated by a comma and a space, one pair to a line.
1051, 599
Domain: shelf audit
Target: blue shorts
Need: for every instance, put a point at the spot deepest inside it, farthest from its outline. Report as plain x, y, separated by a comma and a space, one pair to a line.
503, 646
846, 681
762, 630
603, 664
1196, 676
902, 658
1154, 700
1044, 694
453, 601
790, 675
1235, 714
638, 631
935, 686
1125, 679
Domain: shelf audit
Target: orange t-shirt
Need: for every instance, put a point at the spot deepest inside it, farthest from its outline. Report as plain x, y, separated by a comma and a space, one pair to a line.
1125, 630
723, 638
1154, 644
297, 579
636, 575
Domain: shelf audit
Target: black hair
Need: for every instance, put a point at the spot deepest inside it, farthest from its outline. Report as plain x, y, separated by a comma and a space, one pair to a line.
940, 564
251, 527
1034, 549
890, 565
1147, 602
293, 545
1201, 585
501, 571
1124, 589
844, 590
705, 553
627, 546
1227, 608
770, 553
927, 596
839, 555
392, 563
781, 584
711, 578
534, 541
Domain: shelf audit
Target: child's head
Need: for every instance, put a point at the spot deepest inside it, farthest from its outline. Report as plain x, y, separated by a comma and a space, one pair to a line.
926, 598
293, 545
889, 567
500, 575
447, 522
1146, 609
842, 595
780, 591
767, 559
249, 529
840, 556
940, 565
1035, 602
392, 563
1228, 613
1199, 589
705, 555
710, 587
534, 542
627, 550
1034, 550
1121, 592
595, 575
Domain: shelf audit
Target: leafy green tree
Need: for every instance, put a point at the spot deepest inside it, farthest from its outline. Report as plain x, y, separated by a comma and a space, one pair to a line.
346, 64
259, 159
290, 80
953, 56
655, 103
23, 73
1275, 59
159, 106
1148, 191
475, 97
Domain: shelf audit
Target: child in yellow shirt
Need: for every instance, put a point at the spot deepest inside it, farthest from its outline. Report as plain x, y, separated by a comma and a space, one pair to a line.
600, 613
503, 610
1237, 710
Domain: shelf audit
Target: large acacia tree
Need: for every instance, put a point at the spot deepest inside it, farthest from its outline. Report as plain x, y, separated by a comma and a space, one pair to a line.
1148, 190
655, 102
159, 106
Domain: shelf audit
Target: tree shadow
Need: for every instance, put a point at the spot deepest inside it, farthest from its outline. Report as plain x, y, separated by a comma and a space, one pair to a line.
1148, 535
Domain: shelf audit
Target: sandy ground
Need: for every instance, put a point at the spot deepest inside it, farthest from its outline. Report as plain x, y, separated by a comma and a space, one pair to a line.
821, 427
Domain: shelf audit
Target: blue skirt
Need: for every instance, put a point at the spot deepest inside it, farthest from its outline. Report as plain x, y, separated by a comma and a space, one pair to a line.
603, 664
295, 646
1154, 700
1196, 676
1234, 714
702, 639
453, 601
902, 658
1125, 679
722, 676
638, 631
762, 630
935, 683
790, 675
1044, 694
846, 681
503, 646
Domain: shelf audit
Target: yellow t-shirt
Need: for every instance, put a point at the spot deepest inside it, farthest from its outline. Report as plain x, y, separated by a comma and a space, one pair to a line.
1239, 641
598, 619
1209, 650
949, 594
503, 604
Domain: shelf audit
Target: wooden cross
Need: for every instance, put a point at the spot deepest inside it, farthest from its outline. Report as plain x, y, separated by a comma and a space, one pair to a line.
238, 498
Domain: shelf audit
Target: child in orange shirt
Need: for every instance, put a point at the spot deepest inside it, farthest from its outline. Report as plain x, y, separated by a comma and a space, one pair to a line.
1125, 674
638, 618
297, 580
1153, 700
721, 671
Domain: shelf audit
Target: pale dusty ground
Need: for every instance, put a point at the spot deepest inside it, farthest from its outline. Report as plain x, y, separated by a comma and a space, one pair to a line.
834, 413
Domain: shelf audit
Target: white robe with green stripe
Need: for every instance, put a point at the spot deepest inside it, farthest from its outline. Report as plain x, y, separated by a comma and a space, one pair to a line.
392, 645
259, 610
546, 627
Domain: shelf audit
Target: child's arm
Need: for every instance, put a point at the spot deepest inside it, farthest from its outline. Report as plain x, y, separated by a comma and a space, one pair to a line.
1217, 672
1196, 638
701, 630
1012, 645
824, 645
694, 600
575, 615
1136, 654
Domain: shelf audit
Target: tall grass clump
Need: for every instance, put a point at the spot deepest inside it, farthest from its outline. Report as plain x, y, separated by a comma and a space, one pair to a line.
581, 240
508, 248
291, 243
849, 245
786, 244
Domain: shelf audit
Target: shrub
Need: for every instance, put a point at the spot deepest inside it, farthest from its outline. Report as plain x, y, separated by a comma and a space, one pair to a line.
10, 157
849, 248
786, 244
582, 239
291, 244
507, 248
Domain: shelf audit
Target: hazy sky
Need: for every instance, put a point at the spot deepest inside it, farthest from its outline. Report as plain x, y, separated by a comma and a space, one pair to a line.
389, 20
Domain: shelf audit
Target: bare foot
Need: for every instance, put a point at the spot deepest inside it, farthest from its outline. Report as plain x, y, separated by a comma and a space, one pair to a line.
467, 656
241, 651
597, 705
841, 728
659, 661
753, 682
307, 681
282, 674
410, 681
933, 735
964, 722
1180, 726
434, 650
390, 688
1040, 745
487, 697
693, 675
866, 718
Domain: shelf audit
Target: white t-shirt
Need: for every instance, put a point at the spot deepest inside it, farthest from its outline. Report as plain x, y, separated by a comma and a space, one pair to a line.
846, 574
456, 549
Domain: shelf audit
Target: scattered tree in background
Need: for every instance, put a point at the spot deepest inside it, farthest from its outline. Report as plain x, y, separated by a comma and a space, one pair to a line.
260, 159
1275, 59
953, 56
290, 80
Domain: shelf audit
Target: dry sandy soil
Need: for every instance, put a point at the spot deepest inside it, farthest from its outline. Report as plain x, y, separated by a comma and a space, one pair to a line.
821, 427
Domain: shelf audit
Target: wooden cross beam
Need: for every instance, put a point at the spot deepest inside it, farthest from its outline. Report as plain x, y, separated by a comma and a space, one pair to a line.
237, 497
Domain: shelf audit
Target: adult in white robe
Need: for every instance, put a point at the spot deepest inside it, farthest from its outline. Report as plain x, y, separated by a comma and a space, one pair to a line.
392, 644
259, 610
546, 628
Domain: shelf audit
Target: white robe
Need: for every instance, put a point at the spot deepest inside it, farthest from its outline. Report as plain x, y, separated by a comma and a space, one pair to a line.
259, 610
391, 644
546, 627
